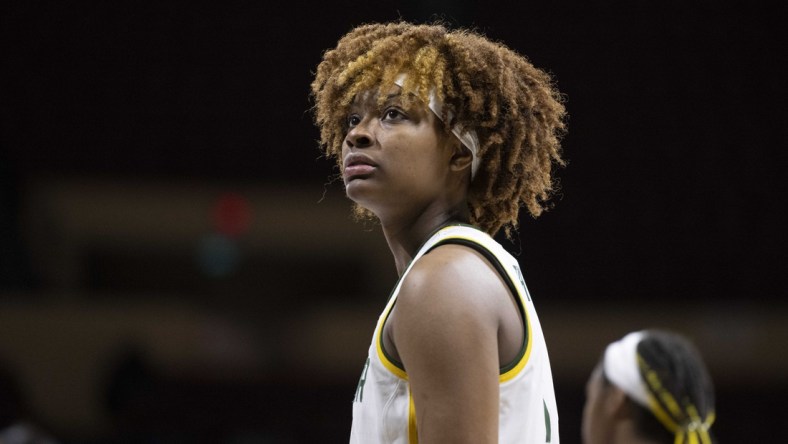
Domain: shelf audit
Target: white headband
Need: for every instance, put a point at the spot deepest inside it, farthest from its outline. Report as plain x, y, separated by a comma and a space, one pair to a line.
621, 367
467, 137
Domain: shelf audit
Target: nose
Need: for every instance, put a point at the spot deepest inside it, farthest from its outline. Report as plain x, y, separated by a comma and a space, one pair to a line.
360, 136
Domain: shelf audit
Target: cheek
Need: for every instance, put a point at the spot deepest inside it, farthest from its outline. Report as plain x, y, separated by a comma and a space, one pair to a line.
404, 157
593, 424
587, 428
414, 156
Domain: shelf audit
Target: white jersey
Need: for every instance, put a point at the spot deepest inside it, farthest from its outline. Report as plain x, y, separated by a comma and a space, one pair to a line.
383, 410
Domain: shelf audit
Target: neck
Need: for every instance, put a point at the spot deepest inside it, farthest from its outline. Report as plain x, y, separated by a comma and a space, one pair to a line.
405, 237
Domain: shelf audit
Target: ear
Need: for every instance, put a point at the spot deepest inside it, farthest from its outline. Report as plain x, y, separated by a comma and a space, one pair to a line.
461, 157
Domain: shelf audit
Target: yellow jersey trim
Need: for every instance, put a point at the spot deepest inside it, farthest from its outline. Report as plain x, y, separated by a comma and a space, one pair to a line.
529, 340
391, 366
413, 433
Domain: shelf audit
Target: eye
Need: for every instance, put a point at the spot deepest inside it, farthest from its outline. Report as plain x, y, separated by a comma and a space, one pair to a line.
353, 120
393, 114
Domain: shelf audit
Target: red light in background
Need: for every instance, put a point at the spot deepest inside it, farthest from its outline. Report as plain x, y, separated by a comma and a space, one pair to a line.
232, 215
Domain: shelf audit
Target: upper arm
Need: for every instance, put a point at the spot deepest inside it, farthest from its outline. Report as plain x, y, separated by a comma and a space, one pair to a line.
445, 330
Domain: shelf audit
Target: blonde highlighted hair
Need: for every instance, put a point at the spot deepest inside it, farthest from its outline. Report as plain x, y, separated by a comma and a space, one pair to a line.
515, 109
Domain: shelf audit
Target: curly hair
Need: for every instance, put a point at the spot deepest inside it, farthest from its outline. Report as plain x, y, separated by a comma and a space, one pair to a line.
514, 107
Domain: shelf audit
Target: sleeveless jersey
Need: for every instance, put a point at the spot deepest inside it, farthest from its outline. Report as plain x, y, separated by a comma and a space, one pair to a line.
383, 410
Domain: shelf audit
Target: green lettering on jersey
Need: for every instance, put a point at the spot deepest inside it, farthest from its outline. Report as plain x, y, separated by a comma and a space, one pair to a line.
522, 281
363, 380
546, 422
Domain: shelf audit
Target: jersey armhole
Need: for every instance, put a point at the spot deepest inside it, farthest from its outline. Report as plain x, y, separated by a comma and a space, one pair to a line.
509, 370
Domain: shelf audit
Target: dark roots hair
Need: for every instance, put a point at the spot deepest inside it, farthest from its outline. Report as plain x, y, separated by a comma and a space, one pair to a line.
514, 107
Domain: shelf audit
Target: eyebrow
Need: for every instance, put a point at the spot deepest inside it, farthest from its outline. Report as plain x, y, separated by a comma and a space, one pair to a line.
389, 97
356, 104
392, 97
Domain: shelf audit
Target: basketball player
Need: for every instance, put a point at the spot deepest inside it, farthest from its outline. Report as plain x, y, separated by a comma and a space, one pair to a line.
650, 387
443, 135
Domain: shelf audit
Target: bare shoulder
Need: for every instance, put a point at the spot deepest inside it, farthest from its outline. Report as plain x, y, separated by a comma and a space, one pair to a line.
453, 276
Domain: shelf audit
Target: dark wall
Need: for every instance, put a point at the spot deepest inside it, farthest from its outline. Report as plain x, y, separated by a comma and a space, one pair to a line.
674, 143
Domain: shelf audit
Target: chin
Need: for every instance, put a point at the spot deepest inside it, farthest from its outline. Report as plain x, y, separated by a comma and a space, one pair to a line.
359, 191
362, 212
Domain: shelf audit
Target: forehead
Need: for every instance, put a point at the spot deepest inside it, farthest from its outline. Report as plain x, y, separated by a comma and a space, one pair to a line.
372, 97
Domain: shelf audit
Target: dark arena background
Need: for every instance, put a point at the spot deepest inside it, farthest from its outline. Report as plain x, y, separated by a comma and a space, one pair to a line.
177, 266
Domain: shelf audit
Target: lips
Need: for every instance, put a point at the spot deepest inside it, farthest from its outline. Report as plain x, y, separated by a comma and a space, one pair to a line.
357, 166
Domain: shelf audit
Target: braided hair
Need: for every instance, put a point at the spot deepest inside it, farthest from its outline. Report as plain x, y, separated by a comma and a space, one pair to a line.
680, 389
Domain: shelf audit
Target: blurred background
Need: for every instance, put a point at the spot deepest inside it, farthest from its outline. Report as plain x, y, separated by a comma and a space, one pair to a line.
177, 266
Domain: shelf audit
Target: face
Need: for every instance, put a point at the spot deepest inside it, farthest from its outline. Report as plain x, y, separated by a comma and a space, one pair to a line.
396, 155
596, 425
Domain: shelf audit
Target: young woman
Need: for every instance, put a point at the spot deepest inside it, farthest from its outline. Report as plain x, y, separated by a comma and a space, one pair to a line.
443, 135
650, 387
